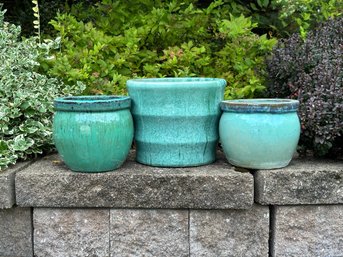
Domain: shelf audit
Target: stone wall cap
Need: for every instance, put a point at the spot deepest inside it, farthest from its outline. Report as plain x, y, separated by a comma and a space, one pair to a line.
49, 183
304, 181
7, 190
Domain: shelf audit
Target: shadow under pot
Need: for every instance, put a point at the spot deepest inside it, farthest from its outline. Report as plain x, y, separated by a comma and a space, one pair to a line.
259, 133
176, 120
93, 133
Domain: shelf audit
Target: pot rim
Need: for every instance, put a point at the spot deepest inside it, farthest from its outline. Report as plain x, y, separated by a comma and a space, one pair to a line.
260, 105
189, 81
92, 103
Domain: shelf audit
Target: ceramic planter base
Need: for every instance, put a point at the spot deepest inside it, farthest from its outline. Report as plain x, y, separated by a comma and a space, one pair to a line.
176, 155
260, 166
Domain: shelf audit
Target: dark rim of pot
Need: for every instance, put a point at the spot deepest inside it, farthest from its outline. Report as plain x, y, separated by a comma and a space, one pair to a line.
176, 81
94, 103
260, 105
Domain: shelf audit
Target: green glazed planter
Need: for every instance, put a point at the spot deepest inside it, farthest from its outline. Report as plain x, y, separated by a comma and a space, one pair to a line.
176, 120
259, 133
93, 133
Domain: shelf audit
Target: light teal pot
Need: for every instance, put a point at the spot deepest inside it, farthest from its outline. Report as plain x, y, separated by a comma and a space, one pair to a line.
259, 133
93, 133
176, 120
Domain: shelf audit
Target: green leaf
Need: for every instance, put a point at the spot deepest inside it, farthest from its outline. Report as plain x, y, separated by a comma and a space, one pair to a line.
3, 146
265, 3
20, 144
253, 6
259, 3
306, 16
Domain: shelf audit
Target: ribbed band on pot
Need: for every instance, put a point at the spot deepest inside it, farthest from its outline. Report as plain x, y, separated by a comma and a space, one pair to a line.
94, 103
260, 105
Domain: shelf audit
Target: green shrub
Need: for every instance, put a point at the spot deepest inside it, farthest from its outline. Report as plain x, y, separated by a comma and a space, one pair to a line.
304, 15
278, 17
312, 71
106, 44
282, 18
25, 98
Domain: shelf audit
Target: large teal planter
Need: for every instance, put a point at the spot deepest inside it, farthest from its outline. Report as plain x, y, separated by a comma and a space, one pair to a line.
176, 120
259, 133
93, 133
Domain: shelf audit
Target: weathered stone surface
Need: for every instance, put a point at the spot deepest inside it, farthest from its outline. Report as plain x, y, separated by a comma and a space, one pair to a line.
308, 231
48, 183
149, 233
302, 182
229, 232
71, 232
7, 195
16, 232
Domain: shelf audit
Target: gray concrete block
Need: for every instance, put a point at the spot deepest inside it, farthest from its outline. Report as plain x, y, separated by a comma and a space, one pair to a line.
149, 233
48, 183
71, 232
16, 232
308, 231
7, 189
229, 233
302, 182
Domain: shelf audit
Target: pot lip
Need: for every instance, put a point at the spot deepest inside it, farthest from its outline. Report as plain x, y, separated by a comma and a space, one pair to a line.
175, 81
260, 105
92, 103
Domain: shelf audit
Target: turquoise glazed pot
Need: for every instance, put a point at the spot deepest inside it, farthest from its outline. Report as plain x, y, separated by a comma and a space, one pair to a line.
93, 133
259, 133
176, 120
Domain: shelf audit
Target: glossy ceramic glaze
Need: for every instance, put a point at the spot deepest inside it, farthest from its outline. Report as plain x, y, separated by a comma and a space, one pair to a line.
93, 133
176, 120
259, 133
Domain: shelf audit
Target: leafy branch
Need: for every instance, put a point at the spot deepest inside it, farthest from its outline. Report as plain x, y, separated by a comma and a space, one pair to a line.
36, 21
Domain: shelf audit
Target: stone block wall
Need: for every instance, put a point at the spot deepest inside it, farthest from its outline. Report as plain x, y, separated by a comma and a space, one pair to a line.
213, 210
150, 232
16, 232
313, 230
